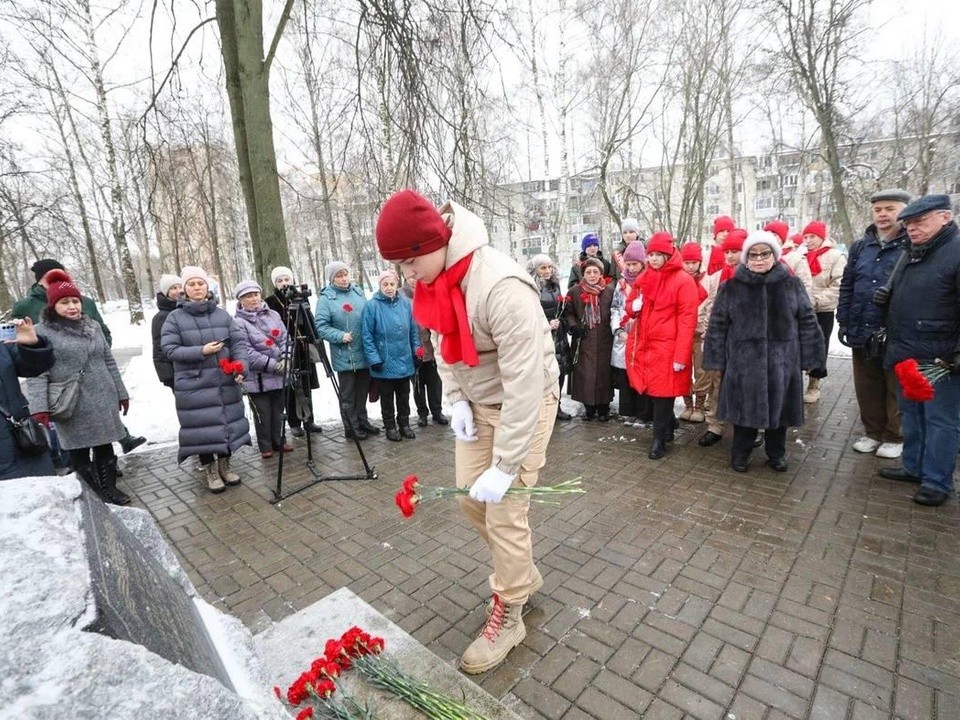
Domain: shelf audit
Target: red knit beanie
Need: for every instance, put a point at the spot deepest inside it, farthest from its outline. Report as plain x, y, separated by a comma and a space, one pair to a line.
661, 242
409, 226
59, 286
734, 240
724, 222
778, 228
691, 251
815, 227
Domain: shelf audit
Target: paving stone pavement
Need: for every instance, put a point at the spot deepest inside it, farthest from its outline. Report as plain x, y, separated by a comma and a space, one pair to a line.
674, 588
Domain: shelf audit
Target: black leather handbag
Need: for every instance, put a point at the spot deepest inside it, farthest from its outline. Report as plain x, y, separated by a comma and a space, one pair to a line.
30, 436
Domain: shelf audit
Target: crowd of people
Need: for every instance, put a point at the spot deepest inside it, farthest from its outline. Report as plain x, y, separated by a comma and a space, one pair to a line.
739, 332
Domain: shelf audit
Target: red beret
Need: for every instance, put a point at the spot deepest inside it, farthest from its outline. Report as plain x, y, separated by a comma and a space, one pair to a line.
815, 227
661, 242
59, 286
778, 228
724, 222
691, 251
734, 240
409, 226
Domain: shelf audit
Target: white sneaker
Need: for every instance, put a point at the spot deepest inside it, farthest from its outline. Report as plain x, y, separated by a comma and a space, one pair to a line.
890, 450
867, 445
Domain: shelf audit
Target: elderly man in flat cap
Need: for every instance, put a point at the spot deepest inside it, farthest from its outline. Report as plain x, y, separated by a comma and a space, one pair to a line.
869, 264
922, 300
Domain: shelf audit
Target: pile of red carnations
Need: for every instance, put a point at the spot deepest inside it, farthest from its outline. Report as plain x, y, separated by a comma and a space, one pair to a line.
358, 650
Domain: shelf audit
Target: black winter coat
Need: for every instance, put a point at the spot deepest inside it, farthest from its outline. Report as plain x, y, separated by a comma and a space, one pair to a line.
209, 402
923, 317
762, 334
550, 295
868, 268
301, 347
163, 366
23, 361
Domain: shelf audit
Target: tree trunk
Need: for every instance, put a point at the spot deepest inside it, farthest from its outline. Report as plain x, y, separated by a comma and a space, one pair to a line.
247, 79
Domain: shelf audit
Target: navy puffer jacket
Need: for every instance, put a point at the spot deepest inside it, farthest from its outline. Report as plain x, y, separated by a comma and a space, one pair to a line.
869, 265
923, 317
20, 360
209, 402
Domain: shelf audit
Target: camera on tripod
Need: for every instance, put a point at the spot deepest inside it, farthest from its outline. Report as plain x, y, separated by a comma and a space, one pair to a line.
294, 293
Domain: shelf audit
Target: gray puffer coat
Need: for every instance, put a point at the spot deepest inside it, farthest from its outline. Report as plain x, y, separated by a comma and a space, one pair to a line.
209, 402
80, 344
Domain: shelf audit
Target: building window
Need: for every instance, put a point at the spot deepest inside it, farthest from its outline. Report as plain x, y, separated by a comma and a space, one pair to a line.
713, 189
790, 180
764, 203
713, 210
763, 185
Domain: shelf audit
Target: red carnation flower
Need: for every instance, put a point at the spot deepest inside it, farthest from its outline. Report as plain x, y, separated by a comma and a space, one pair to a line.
275, 332
297, 692
559, 298
410, 483
276, 691
324, 688
347, 307
268, 342
421, 352
404, 501
585, 297
915, 385
236, 367
304, 714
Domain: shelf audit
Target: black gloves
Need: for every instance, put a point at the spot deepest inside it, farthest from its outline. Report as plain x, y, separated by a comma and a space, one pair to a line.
842, 335
951, 363
881, 298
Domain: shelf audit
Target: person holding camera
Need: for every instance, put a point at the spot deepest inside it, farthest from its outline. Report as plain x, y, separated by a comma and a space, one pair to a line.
869, 265
204, 342
23, 355
298, 320
86, 369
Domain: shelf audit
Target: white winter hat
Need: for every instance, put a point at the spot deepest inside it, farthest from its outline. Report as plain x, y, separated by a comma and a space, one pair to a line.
192, 271
629, 224
246, 286
279, 272
168, 281
760, 237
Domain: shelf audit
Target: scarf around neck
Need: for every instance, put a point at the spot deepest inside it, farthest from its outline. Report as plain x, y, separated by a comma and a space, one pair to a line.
590, 295
442, 307
813, 259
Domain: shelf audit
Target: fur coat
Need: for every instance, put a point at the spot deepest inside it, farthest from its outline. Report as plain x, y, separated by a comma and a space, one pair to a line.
762, 335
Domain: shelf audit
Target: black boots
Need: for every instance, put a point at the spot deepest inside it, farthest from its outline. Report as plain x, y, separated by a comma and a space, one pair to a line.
658, 449
130, 442
102, 479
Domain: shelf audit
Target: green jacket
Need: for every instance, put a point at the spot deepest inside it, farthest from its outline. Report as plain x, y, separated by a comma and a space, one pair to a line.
33, 304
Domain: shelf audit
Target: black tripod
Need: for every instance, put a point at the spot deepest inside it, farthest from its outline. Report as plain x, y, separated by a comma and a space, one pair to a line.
300, 330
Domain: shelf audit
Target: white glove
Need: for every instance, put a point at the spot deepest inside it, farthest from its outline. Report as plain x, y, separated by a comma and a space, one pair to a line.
461, 421
491, 486
637, 304
677, 367
280, 366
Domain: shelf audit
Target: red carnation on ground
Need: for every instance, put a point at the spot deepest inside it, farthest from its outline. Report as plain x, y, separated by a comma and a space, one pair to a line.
347, 307
304, 714
276, 691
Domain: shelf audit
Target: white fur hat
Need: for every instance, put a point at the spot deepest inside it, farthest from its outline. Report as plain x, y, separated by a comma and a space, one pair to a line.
761, 237
280, 271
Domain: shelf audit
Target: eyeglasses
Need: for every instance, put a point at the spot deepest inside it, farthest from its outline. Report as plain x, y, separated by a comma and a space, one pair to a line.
760, 255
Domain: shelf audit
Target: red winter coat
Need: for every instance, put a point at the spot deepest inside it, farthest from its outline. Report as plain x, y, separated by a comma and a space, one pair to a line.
663, 334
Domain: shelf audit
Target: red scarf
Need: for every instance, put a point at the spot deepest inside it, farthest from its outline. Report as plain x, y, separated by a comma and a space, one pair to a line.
589, 295
701, 290
441, 307
813, 259
727, 272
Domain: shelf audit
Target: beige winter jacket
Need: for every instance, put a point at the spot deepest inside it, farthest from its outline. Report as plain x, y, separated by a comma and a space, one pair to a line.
796, 260
518, 364
826, 285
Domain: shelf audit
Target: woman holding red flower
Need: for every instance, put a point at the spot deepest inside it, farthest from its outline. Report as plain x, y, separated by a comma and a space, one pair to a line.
338, 321
267, 336
588, 315
196, 337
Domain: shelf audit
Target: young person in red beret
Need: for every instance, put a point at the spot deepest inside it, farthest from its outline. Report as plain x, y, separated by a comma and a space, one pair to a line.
660, 345
826, 264
722, 225
500, 374
793, 253
694, 402
732, 248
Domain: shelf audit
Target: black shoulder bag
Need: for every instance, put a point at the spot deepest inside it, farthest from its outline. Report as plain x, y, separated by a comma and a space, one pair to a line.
30, 436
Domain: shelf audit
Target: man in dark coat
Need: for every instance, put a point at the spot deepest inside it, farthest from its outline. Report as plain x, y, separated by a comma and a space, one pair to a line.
300, 330
923, 324
27, 356
869, 264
